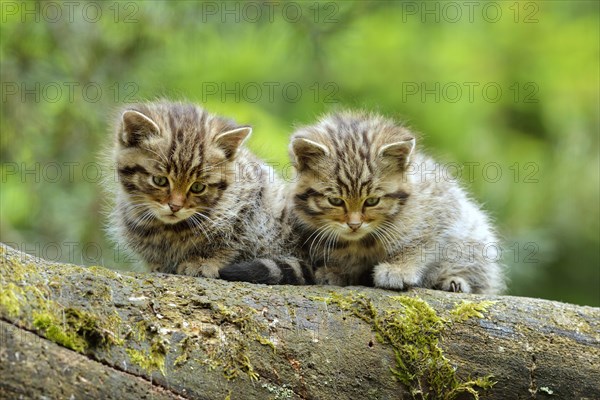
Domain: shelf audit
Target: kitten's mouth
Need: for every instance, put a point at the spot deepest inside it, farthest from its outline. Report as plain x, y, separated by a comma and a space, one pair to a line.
355, 234
171, 218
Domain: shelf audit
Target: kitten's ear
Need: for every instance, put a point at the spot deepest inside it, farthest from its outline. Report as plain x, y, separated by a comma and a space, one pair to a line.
400, 151
232, 140
307, 152
135, 127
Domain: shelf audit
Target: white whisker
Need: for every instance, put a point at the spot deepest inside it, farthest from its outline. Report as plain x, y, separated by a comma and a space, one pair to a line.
320, 232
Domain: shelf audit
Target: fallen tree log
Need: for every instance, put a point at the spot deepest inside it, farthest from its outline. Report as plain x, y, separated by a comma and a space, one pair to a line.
73, 332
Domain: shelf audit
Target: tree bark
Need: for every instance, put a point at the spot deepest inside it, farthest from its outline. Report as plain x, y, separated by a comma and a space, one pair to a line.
75, 333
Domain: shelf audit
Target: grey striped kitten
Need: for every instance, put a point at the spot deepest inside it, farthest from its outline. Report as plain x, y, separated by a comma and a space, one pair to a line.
191, 198
369, 209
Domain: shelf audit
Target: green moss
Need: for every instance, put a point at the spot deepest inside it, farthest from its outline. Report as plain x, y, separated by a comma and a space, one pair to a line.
467, 309
225, 346
185, 352
58, 333
105, 272
72, 328
413, 329
151, 360
140, 330
238, 361
9, 301
17, 271
292, 312
233, 355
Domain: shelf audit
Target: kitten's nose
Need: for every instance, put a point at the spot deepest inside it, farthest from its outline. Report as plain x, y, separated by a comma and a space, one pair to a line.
354, 225
354, 220
174, 207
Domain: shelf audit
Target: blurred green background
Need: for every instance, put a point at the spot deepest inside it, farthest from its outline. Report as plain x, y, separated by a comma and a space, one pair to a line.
509, 91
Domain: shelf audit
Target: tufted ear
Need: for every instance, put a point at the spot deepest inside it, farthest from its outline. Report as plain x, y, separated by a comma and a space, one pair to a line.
231, 141
400, 152
135, 127
307, 152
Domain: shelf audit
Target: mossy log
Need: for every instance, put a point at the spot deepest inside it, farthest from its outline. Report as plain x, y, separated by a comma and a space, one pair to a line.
70, 332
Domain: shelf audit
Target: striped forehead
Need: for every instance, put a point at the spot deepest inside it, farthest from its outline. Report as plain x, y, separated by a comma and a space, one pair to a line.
354, 158
187, 131
354, 177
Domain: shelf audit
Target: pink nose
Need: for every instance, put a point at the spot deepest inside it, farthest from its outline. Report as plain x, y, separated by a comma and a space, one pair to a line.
174, 207
354, 225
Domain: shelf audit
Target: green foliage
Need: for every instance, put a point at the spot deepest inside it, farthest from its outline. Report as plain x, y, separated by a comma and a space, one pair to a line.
541, 133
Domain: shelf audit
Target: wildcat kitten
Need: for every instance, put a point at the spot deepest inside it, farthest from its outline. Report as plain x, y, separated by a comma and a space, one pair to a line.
369, 209
191, 198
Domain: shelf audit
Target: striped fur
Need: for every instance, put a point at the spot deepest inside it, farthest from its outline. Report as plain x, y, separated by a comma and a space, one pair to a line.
419, 229
236, 217
276, 271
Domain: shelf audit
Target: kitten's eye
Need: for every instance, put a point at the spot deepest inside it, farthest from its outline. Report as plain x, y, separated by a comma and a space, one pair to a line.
335, 201
197, 187
372, 201
160, 180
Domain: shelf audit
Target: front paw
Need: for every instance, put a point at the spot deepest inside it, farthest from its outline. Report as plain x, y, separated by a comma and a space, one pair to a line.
391, 276
200, 268
455, 284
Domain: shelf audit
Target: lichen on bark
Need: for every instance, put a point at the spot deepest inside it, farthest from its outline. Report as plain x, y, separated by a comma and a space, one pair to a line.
204, 338
413, 329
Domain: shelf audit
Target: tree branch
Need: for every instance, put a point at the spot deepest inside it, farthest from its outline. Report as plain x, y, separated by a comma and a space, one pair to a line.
92, 332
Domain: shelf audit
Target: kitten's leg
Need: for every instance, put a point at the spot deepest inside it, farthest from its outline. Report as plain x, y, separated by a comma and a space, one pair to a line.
403, 271
469, 271
155, 267
206, 267
330, 276
478, 277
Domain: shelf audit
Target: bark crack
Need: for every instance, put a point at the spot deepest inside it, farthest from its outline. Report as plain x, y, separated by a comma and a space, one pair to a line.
533, 389
104, 363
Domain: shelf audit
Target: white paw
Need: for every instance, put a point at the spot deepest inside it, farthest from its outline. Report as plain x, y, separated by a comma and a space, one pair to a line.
455, 284
395, 277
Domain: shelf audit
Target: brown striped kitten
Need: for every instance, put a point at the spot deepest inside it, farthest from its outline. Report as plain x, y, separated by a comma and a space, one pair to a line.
191, 198
368, 206
369, 209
